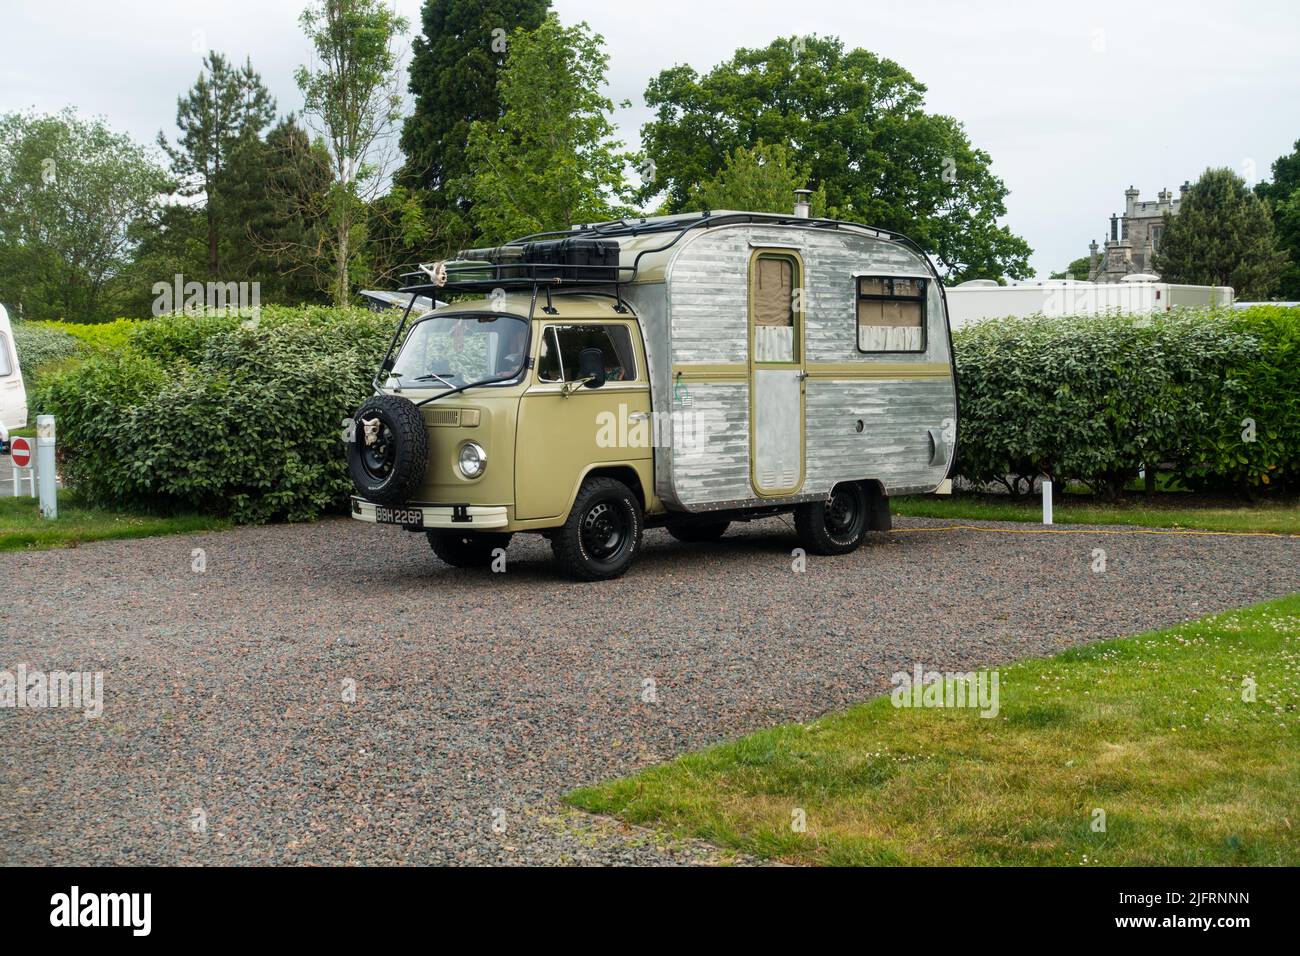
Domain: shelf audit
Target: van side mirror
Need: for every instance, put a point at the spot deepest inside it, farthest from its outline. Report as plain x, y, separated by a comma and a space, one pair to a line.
591, 366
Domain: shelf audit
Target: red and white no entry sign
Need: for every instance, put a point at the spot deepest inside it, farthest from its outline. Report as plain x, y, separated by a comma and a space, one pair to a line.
21, 450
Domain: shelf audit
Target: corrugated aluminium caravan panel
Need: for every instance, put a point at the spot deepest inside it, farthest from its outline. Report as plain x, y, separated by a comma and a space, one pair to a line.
697, 340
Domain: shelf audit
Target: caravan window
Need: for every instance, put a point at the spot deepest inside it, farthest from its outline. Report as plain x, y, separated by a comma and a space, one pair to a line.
557, 354
891, 314
5, 367
774, 281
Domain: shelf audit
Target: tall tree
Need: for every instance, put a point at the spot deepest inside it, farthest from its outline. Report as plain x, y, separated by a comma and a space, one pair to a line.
70, 191
351, 96
857, 121
551, 159
1283, 198
1223, 235
226, 105
455, 63
276, 191
762, 179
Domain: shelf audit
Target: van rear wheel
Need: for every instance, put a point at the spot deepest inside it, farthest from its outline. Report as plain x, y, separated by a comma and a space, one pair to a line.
602, 536
466, 550
834, 526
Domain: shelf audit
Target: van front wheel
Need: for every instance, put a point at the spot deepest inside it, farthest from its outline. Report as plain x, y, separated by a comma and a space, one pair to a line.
834, 526
603, 534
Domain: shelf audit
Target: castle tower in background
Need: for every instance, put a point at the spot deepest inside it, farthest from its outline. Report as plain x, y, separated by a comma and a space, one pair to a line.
1134, 237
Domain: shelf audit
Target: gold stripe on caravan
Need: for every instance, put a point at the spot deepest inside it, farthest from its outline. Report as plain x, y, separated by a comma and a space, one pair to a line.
739, 372
701, 372
878, 370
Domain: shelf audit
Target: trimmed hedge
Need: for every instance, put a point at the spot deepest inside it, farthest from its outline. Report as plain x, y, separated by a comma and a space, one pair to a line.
41, 346
231, 417
242, 418
1094, 399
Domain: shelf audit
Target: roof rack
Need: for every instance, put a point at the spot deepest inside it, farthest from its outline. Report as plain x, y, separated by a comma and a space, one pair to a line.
475, 276
480, 276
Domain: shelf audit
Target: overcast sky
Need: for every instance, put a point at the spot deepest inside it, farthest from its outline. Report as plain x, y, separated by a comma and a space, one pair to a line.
1073, 101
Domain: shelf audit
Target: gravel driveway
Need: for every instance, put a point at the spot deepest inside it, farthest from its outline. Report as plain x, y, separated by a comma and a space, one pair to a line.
480, 698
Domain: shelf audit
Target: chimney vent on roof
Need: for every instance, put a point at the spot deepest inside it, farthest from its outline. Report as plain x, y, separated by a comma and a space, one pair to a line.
802, 206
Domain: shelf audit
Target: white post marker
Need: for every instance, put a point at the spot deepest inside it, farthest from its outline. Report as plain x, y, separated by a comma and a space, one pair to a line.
45, 466
1047, 501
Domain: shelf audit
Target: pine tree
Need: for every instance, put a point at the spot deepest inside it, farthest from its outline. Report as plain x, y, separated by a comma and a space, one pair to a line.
225, 104
1223, 235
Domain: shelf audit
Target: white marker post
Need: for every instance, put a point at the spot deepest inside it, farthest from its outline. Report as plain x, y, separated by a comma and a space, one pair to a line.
45, 475
1047, 501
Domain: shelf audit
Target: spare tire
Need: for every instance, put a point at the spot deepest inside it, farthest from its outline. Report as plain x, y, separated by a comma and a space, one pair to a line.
389, 451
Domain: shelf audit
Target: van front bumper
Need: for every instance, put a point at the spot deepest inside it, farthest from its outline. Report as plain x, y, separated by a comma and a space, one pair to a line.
432, 517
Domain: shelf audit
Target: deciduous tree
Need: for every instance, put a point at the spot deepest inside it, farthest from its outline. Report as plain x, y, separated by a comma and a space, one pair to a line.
551, 160
858, 123
1283, 196
70, 190
352, 100
762, 179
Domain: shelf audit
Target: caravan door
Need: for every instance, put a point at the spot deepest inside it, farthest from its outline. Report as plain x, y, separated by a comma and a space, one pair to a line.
776, 372
13, 395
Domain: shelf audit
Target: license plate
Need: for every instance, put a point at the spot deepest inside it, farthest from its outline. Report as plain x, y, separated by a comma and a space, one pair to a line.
413, 517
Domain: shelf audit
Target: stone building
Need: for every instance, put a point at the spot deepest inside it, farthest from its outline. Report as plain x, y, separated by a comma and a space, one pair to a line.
1134, 237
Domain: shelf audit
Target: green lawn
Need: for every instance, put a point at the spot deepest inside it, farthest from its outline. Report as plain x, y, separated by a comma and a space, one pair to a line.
1162, 512
22, 527
1152, 729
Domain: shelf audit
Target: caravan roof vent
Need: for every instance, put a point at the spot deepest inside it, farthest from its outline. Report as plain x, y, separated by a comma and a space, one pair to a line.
1141, 277
802, 203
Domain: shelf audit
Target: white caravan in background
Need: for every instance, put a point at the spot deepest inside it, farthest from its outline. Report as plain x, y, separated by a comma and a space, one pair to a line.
13, 394
1141, 293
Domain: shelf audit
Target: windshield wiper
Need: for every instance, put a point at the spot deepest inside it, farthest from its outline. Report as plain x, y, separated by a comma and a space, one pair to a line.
456, 391
432, 375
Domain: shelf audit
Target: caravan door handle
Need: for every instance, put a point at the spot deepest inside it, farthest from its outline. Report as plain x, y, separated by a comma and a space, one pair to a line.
637, 416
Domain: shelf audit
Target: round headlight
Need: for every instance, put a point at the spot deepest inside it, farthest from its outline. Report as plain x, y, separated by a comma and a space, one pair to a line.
472, 459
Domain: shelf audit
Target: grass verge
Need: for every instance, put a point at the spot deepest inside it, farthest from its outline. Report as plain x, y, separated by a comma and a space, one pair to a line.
1275, 517
1151, 730
22, 528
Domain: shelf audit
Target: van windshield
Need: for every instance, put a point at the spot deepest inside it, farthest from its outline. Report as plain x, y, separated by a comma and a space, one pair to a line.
459, 350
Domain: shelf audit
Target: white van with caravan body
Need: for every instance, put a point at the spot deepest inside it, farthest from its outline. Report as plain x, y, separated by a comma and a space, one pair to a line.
13, 394
1138, 294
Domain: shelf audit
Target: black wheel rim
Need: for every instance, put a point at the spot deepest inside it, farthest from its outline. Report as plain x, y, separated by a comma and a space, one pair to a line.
842, 513
377, 459
604, 530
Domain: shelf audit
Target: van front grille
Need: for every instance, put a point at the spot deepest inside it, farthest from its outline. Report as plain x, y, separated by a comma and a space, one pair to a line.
443, 416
